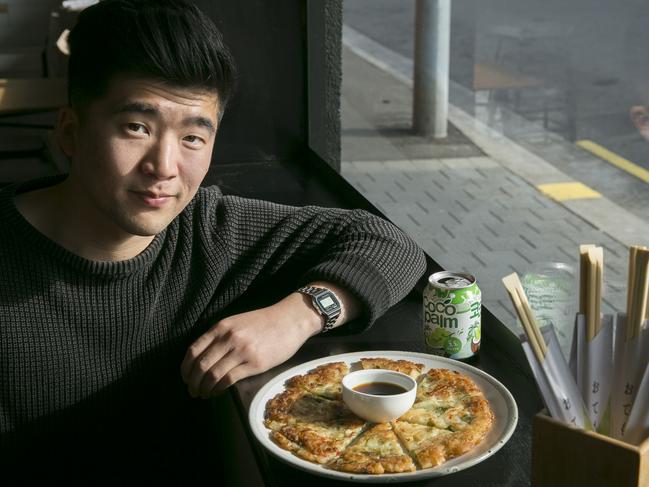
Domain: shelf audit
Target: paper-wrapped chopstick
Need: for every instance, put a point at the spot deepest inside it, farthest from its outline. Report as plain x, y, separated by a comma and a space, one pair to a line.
630, 361
595, 370
584, 271
556, 384
637, 426
591, 359
631, 353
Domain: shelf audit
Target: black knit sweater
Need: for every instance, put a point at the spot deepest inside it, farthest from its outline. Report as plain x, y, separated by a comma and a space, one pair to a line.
90, 352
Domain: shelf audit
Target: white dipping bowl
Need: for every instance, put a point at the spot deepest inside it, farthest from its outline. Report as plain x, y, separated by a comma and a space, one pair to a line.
378, 408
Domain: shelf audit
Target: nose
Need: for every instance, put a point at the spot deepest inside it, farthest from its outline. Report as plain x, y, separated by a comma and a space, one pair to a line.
162, 159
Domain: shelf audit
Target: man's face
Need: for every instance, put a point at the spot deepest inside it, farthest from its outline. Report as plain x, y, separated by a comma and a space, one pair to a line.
140, 153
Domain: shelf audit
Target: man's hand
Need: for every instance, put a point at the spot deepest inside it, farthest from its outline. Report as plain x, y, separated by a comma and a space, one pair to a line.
250, 343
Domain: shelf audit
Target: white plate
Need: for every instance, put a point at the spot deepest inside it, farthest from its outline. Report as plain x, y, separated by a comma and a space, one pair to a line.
501, 401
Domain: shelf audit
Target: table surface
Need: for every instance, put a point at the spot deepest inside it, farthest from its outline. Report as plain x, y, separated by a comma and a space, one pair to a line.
399, 329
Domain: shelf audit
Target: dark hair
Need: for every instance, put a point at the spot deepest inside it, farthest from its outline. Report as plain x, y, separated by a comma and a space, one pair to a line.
167, 40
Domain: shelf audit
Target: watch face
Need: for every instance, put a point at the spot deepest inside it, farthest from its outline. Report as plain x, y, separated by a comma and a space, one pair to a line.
327, 302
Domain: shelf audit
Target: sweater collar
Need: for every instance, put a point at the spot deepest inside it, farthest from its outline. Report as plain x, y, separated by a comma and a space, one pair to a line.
33, 239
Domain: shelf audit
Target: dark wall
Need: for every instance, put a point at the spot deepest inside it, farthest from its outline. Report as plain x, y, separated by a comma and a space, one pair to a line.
324, 78
267, 118
288, 55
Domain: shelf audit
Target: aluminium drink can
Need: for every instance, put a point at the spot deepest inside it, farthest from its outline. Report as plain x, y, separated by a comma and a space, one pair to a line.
452, 308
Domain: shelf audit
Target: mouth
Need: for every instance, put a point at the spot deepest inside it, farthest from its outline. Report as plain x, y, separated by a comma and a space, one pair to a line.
153, 199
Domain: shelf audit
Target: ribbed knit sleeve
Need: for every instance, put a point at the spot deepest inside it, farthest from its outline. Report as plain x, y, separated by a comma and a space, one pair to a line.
90, 351
365, 254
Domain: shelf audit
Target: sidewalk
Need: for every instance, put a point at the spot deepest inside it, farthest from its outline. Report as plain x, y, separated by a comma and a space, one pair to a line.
471, 202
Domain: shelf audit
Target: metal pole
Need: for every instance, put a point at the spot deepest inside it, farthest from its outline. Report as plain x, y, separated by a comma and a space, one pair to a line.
432, 46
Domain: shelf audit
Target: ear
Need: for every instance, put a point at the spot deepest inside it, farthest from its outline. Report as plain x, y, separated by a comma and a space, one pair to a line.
67, 130
640, 117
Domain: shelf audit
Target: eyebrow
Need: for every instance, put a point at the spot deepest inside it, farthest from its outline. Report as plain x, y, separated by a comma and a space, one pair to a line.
148, 109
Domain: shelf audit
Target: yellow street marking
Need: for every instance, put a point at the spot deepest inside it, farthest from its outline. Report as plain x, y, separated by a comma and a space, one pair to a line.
614, 159
568, 191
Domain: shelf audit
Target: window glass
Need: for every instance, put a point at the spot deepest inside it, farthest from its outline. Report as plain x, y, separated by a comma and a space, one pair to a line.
546, 146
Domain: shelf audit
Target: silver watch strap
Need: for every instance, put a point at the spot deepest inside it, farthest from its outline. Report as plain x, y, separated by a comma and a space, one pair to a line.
314, 292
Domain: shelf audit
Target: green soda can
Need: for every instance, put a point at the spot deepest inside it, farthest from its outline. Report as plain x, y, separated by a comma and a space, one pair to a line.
452, 307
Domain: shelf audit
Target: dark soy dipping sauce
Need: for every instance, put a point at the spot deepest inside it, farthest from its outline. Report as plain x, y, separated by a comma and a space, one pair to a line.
380, 388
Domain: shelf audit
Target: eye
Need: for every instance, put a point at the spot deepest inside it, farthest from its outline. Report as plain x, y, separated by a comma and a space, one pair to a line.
194, 140
137, 128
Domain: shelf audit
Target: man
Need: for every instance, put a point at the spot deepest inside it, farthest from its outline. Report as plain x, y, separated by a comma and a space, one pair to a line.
114, 280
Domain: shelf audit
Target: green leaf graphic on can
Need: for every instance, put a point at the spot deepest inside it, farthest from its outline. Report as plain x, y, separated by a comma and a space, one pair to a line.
452, 345
437, 338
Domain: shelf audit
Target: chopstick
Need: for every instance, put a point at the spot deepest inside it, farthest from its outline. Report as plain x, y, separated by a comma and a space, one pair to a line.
635, 307
519, 300
633, 252
592, 293
583, 277
596, 257
643, 298
591, 269
638, 305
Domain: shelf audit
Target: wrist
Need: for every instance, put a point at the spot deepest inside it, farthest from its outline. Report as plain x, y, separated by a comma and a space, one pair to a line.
313, 321
325, 302
297, 309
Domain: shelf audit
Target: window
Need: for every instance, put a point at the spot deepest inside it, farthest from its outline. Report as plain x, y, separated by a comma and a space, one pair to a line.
546, 146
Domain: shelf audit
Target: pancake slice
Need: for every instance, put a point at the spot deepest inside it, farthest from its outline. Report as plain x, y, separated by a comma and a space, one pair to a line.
404, 366
325, 380
375, 451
